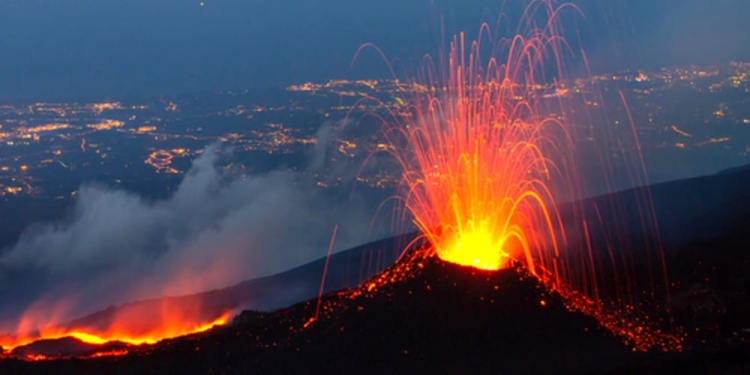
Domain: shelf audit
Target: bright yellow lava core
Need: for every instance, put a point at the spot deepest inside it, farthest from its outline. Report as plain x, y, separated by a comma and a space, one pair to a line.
477, 249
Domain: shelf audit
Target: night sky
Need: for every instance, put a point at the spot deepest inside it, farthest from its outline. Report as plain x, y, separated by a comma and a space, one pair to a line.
78, 48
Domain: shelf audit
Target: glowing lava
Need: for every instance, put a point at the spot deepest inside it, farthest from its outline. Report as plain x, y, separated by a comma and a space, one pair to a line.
124, 330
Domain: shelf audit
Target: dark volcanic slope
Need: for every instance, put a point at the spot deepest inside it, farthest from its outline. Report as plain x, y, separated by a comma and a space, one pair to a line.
438, 318
699, 208
448, 319
704, 227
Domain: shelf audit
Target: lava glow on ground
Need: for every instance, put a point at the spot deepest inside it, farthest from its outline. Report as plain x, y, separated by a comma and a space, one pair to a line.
126, 330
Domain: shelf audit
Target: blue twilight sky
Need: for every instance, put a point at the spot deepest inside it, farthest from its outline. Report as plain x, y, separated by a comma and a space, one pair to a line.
74, 48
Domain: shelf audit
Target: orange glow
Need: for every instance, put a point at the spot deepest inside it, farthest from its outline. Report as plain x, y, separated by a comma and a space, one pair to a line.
47, 128
110, 353
107, 125
98, 108
162, 160
146, 129
36, 357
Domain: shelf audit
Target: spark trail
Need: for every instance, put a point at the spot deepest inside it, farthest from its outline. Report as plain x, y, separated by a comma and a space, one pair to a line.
487, 159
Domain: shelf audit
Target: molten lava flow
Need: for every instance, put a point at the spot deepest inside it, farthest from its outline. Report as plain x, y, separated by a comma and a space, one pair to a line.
133, 326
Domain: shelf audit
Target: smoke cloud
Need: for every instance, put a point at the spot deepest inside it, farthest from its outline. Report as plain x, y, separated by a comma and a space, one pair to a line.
214, 231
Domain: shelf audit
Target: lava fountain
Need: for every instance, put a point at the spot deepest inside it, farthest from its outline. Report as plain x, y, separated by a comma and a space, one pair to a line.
488, 159
482, 168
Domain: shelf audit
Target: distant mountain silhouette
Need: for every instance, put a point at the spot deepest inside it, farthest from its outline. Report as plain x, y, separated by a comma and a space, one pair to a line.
687, 210
741, 168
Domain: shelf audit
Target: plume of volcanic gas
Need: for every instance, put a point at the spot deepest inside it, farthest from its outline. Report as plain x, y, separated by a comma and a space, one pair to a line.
488, 158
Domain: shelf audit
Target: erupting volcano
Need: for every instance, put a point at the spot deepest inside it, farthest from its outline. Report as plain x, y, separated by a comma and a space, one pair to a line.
477, 166
533, 240
488, 157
